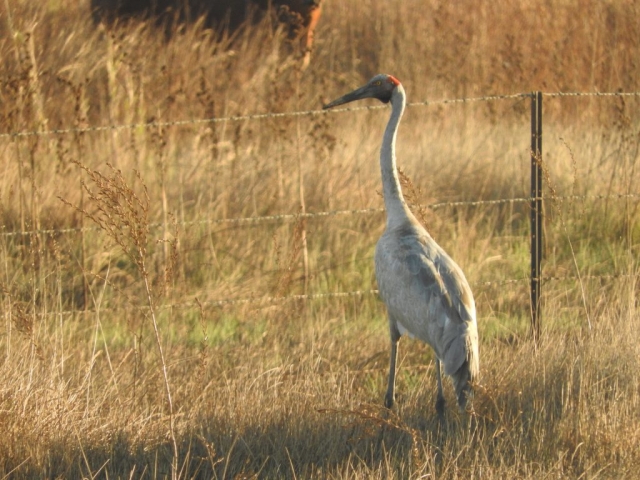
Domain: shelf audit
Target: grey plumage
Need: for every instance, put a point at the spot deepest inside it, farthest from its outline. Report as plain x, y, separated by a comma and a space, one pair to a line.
426, 293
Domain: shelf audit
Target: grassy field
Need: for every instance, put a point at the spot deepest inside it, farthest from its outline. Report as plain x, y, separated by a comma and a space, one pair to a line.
148, 333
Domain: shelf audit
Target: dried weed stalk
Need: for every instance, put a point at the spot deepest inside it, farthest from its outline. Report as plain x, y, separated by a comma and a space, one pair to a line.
413, 195
123, 215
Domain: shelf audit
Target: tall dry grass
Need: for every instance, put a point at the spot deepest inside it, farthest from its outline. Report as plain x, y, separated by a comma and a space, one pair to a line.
122, 356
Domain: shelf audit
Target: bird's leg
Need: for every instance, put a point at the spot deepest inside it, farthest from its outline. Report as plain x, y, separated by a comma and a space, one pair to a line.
395, 336
440, 398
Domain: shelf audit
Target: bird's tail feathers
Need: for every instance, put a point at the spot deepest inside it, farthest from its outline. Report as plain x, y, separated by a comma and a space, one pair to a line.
473, 355
468, 371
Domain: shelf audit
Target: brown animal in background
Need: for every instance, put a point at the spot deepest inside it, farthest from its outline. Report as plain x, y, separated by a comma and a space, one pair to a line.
301, 16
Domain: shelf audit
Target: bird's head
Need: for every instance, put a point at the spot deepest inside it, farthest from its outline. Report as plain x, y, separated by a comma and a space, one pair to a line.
381, 87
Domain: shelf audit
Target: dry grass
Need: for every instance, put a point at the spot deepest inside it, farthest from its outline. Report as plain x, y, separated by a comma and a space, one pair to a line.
118, 361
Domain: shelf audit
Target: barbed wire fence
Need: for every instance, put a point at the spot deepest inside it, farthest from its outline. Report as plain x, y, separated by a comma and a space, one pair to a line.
292, 217
277, 115
535, 201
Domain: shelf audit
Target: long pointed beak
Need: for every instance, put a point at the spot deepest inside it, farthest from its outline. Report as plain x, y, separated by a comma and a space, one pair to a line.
357, 94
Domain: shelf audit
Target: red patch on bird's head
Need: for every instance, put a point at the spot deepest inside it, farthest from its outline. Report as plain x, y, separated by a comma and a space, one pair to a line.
393, 80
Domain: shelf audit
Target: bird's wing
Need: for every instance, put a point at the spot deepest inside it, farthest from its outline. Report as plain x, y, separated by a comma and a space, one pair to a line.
426, 291
459, 334
441, 276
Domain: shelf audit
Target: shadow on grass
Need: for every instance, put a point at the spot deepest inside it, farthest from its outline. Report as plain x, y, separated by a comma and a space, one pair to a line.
515, 427
321, 443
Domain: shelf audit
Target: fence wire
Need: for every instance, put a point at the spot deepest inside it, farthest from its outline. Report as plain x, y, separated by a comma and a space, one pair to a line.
303, 113
249, 117
263, 301
590, 94
286, 217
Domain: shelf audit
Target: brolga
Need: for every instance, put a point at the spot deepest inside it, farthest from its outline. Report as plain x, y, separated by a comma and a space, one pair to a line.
425, 292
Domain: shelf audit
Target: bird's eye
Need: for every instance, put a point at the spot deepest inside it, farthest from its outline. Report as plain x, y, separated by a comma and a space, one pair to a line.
377, 83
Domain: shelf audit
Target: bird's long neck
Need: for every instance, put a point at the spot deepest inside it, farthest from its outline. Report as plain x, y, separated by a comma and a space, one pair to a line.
396, 207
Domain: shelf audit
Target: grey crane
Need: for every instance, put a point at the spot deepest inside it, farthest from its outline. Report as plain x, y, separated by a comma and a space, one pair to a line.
426, 294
